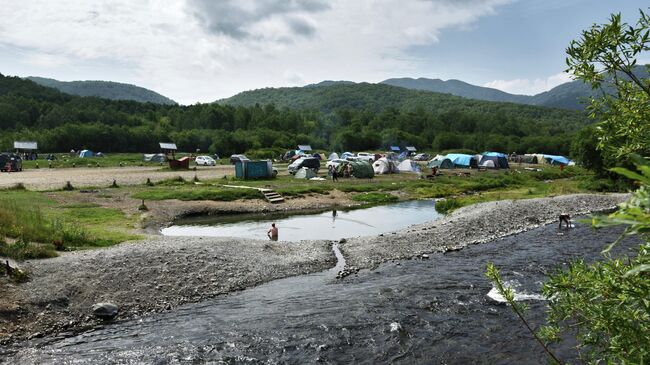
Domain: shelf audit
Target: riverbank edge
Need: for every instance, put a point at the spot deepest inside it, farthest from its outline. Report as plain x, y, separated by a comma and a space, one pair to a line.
160, 273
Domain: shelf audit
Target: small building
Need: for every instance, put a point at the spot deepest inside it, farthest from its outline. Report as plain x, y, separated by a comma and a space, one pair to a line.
26, 149
411, 150
395, 149
304, 148
169, 149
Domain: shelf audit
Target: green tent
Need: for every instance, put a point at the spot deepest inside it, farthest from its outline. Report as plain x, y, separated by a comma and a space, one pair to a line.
360, 169
444, 163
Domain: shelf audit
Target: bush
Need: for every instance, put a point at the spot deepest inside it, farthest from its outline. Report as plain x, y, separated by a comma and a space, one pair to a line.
447, 205
375, 198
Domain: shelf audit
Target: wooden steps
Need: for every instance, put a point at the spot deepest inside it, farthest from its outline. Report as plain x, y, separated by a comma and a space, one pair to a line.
271, 196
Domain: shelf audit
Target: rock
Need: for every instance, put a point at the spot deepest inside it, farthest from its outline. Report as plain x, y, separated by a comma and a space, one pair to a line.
425, 256
343, 240
105, 311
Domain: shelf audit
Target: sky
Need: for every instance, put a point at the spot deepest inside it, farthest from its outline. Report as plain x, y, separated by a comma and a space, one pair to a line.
204, 50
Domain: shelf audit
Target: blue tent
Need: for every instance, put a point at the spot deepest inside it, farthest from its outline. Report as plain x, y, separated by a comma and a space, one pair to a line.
500, 160
556, 160
461, 160
86, 153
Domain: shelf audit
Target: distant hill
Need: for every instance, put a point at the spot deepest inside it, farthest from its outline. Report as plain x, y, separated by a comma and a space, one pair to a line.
569, 95
458, 88
380, 97
104, 89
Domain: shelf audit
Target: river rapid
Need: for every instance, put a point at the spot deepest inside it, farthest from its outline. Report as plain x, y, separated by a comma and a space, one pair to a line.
427, 311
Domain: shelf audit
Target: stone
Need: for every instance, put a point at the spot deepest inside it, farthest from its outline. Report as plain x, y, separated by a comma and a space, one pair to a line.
105, 311
343, 240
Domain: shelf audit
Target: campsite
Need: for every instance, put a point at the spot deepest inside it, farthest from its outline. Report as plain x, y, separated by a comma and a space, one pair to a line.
325, 182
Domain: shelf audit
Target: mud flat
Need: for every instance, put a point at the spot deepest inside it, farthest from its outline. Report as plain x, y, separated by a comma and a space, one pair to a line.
160, 273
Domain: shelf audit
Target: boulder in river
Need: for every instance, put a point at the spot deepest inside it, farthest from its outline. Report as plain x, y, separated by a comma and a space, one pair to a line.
105, 311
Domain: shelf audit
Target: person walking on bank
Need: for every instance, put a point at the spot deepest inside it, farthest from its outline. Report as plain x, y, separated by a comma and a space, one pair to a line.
273, 232
335, 175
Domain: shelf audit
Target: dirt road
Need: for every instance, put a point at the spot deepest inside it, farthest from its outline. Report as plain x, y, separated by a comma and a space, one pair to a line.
49, 179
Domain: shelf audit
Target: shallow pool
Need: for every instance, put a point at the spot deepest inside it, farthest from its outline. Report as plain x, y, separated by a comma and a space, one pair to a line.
329, 225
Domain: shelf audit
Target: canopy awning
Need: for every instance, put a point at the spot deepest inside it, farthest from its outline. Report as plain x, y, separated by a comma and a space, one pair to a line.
25, 145
168, 146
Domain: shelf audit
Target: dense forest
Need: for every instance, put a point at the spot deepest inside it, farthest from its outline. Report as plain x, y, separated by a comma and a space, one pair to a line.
339, 117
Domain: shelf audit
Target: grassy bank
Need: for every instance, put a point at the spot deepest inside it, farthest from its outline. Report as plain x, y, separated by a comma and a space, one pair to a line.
34, 226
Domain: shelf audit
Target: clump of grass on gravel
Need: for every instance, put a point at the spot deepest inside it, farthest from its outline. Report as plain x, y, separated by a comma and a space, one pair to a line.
447, 205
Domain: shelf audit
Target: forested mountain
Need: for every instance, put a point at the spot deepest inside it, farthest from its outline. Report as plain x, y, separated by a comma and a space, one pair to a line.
458, 88
104, 89
339, 117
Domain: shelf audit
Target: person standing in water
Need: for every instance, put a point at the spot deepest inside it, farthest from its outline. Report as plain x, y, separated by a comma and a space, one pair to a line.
273, 232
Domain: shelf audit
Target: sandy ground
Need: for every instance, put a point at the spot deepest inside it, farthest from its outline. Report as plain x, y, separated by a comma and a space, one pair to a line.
50, 179
160, 273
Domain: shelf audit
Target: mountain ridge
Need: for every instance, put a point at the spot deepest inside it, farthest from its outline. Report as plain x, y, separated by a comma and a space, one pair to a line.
104, 89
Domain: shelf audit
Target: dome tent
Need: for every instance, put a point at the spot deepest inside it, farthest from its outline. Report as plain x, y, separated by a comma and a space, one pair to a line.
305, 173
333, 156
461, 160
443, 163
384, 166
408, 165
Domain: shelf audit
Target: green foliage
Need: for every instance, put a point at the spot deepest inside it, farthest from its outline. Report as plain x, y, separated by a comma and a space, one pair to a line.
605, 304
206, 193
21, 250
376, 198
447, 205
340, 117
605, 56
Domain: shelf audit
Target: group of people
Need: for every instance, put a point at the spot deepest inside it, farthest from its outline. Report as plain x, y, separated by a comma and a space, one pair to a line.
335, 174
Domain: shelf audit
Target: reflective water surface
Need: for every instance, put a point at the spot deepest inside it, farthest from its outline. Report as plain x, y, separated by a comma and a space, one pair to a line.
330, 225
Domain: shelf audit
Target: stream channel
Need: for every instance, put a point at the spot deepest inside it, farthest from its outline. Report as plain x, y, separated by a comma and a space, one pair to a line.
427, 311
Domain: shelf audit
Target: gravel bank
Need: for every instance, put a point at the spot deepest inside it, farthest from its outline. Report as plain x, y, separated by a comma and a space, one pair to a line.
470, 225
161, 273
146, 276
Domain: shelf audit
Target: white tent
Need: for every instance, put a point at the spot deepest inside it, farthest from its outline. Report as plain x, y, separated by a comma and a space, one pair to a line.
488, 164
408, 165
384, 166
304, 173
333, 156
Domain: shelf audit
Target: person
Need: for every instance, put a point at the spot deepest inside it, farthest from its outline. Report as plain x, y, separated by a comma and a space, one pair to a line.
335, 175
564, 217
273, 232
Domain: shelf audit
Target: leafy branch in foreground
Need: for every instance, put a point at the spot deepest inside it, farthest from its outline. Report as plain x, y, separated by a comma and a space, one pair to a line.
605, 304
519, 308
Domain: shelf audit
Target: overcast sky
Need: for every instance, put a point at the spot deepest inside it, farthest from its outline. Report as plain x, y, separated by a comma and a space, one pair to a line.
203, 50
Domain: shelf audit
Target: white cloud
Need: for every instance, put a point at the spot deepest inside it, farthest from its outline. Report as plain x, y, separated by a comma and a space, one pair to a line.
194, 50
528, 86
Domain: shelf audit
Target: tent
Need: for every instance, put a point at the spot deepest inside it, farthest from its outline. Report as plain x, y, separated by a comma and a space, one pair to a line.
304, 173
495, 154
556, 160
443, 163
333, 156
540, 158
345, 155
408, 165
497, 162
319, 156
531, 159
158, 157
488, 163
384, 166
438, 157
461, 160
362, 169
85, 153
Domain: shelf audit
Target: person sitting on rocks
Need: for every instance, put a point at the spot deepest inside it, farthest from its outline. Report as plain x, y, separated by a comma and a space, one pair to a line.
564, 217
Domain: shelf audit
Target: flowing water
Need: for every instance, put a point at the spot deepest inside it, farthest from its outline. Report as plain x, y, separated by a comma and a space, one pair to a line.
421, 311
329, 225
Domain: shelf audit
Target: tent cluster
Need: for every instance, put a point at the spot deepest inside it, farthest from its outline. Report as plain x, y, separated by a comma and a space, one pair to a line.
544, 159
493, 160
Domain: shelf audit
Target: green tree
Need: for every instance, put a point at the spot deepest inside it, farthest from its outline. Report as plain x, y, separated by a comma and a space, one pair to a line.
605, 56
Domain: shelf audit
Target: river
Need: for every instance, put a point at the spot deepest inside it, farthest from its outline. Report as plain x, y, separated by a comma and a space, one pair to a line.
426, 311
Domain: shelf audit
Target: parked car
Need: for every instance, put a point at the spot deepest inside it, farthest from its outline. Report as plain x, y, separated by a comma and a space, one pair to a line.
366, 156
236, 158
205, 161
335, 162
308, 162
422, 157
10, 162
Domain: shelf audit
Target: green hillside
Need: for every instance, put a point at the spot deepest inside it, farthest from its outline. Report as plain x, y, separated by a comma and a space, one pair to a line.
338, 117
104, 89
